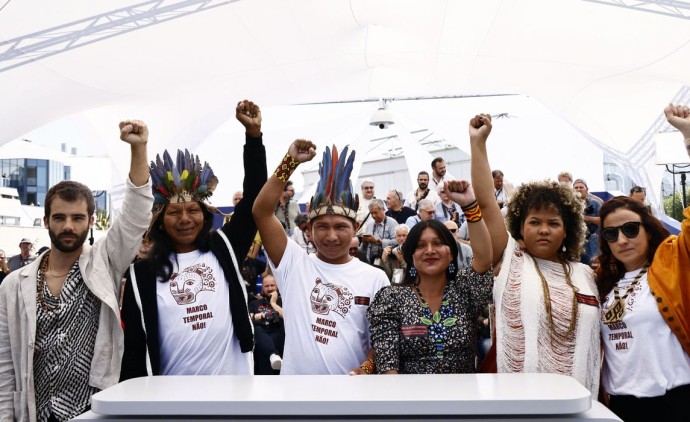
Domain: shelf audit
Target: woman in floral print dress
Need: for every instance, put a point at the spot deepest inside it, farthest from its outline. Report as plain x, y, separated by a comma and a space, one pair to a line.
428, 324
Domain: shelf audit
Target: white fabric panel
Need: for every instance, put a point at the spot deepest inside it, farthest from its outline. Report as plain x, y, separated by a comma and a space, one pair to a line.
604, 69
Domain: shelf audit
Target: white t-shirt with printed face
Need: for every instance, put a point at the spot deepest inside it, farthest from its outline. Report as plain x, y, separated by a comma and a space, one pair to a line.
325, 305
194, 323
643, 357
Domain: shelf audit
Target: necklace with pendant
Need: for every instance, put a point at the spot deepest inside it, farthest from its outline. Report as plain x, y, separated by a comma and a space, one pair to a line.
616, 311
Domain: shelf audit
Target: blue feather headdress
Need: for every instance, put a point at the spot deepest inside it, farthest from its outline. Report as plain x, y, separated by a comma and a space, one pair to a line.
183, 181
334, 191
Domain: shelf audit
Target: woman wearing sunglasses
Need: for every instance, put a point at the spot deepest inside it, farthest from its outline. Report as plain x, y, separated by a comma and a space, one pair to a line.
644, 286
547, 307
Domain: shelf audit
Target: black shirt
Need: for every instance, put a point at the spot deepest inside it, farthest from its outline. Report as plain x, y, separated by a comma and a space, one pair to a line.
402, 215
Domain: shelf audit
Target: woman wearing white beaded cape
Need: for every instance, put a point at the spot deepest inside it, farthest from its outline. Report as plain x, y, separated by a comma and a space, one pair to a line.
547, 308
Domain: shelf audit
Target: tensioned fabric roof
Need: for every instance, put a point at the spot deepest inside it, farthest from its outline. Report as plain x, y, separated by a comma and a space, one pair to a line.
607, 67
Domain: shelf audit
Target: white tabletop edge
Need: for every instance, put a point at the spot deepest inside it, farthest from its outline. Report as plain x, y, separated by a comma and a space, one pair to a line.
542, 394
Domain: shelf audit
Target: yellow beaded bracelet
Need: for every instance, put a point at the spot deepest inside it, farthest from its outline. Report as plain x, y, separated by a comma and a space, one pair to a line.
285, 168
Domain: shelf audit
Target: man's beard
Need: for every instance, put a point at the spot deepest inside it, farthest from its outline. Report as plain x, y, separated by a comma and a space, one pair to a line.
423, 186
59, 245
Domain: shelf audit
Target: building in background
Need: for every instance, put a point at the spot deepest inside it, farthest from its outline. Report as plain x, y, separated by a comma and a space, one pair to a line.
32, 169
27, 171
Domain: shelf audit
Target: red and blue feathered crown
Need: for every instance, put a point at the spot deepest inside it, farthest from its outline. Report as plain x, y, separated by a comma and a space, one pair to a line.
184, 180
333, 194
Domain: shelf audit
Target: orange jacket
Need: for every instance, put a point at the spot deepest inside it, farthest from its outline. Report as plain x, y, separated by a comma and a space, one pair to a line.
669, 280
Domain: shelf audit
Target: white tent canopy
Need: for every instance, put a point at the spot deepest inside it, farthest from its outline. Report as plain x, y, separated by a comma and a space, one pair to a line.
606, 67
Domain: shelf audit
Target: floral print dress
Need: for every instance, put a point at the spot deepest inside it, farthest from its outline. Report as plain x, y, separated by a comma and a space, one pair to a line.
407, 337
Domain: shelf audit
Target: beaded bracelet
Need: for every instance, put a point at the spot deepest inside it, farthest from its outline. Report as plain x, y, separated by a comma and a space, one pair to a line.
285, 168
469, 206
472, 212
367, 369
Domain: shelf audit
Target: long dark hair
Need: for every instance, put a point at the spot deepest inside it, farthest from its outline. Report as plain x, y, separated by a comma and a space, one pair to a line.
163, 246
608, 274
412, 240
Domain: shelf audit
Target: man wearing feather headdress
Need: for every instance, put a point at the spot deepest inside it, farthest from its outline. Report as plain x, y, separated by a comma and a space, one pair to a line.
185, 307
60, 334
326, 295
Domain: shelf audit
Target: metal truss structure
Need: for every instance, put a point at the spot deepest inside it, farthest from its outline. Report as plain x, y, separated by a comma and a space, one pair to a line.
49, 42
635, 160
673, 8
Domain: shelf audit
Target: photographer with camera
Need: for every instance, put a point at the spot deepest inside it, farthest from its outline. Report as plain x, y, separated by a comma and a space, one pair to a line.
592, 220
267, 314
379, 234
392, 259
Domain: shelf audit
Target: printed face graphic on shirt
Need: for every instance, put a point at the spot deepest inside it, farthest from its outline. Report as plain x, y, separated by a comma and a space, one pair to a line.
192, 280
330, 297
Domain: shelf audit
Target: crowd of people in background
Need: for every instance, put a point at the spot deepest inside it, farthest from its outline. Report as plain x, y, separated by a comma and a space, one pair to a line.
455, 276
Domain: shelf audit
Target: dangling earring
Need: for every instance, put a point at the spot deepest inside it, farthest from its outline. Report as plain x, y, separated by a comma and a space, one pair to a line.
563, 248
412, 271
451, 268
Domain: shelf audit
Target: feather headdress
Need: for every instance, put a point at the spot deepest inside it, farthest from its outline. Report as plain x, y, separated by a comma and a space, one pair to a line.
183, 181
334, 191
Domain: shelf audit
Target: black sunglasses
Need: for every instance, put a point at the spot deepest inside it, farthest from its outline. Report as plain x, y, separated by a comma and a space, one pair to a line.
453, 230
630, 230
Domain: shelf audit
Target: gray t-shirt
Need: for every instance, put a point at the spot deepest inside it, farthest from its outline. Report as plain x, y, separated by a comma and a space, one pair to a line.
16, 262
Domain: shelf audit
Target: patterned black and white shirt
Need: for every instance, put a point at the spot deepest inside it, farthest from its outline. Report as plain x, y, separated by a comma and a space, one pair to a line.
65, 339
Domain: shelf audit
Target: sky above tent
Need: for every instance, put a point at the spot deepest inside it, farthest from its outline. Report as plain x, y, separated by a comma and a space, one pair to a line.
605, 67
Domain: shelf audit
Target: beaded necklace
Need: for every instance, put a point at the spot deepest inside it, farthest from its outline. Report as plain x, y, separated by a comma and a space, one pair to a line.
440, 322
616, 311
547, 301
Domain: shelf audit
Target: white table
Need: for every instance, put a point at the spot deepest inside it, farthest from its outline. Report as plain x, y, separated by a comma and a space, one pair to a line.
459, 397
